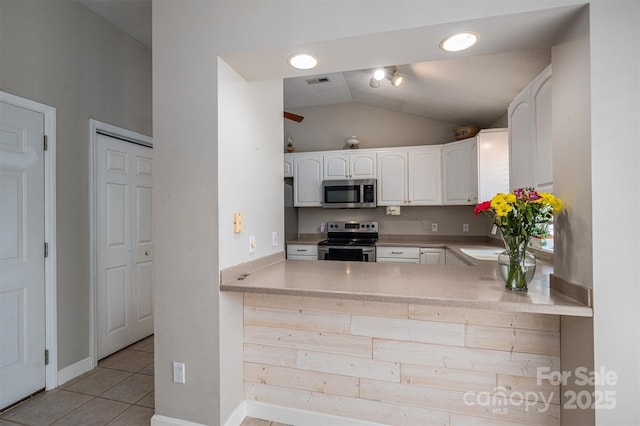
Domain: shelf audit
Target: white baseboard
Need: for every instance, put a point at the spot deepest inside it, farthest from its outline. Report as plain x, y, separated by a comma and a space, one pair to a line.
238, 415
294, 416
158, 420
273, 413
74, 370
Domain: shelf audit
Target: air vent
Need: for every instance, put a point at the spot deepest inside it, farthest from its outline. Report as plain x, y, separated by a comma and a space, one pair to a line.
318, 80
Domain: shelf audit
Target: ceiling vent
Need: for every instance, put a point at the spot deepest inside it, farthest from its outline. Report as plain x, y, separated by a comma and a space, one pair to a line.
318, 80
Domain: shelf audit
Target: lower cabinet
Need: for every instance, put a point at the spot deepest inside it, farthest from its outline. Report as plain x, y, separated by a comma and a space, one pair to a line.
432, 256
450, 258
302, 252
398, 255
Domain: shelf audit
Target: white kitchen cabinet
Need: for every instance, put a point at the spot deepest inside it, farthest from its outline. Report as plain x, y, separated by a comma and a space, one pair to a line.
288, 165
349, 166
398, 255
451, 258
493, 163
432, 256
475, 169
530, 144
541, 97
425, 185
307, 180
392, 178
302, 252
460, 173
410, 178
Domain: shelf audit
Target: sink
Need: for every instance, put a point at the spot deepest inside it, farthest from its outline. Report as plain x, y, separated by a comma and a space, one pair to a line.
483, 253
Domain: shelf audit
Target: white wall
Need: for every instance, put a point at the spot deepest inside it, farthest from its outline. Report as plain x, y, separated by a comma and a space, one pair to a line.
64, 55
326, 127
250, 171
615, 175
189, 35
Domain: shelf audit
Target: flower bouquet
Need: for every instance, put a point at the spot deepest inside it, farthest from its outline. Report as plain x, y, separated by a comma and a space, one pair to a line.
520, 215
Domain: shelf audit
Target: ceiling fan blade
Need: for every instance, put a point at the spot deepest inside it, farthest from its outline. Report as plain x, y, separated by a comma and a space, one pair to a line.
295, 117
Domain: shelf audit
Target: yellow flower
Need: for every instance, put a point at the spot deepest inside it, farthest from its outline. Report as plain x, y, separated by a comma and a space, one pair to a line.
503, 209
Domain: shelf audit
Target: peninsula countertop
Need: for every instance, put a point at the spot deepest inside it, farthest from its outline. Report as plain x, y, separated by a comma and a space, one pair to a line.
475, 286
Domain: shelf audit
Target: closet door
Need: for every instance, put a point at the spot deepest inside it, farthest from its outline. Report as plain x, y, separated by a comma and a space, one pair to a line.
124, 249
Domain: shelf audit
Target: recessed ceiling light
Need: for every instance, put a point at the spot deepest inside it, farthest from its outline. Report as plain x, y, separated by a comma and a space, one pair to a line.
303, 61
458, 42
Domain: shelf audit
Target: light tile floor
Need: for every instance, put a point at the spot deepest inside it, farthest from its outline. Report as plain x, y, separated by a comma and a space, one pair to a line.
119, 392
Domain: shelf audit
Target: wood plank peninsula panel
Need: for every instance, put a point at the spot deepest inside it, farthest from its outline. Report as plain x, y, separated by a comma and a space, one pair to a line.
401, 364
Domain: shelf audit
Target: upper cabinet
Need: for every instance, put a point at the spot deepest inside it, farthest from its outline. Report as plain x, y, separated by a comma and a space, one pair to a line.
476, 169
530, 144
425, 184
460, 172
288, 165
349, 166
392, 178
410, 177
493, 163
307, 180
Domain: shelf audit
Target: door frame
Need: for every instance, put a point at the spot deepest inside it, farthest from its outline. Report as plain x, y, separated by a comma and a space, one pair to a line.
98, 127
50, 262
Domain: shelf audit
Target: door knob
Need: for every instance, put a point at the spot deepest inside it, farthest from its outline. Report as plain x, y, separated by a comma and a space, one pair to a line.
147, 253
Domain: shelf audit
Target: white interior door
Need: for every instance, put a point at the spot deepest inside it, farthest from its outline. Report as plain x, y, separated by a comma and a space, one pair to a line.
124, 243
22, 286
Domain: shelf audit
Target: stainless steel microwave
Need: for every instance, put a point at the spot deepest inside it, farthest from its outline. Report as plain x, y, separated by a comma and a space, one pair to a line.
349, 194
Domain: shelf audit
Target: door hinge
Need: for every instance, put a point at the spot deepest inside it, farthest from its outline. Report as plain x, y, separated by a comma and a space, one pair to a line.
46, 357
46, 249
46, 143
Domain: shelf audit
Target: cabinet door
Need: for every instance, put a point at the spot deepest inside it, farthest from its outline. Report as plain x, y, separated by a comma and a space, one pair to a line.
541, 100
288, 165
425, 185
362, 166
493, 163
432, 256
307, 180
392, 178
336, 166
521, 157
460, 173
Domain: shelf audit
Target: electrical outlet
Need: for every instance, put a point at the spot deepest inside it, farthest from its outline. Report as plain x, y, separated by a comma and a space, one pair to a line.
465, 227
178, 372
252, 244
323, 226
434, 227
274, 238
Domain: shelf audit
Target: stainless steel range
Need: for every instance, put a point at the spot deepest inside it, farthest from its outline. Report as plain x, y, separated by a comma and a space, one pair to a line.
349, 241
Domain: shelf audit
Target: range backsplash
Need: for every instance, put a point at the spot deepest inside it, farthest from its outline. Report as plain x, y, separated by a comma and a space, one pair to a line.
411, 221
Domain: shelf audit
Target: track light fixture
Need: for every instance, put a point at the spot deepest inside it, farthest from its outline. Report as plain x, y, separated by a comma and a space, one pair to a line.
388, 73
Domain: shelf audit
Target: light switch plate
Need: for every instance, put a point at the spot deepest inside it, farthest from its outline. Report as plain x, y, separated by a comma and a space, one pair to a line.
252, 244
237, 222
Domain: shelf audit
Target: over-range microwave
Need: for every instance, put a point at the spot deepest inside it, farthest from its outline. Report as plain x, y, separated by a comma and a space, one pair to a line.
349, 194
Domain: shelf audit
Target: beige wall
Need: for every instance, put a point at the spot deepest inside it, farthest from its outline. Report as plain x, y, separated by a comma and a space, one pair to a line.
411, 221
573, 258
326, 128
61, 54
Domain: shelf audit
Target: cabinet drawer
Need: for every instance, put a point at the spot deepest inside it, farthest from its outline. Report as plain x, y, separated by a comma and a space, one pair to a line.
398, 252
302, 250
396, 260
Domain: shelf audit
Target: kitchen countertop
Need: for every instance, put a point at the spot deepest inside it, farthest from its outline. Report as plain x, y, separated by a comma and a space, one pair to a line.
478, 286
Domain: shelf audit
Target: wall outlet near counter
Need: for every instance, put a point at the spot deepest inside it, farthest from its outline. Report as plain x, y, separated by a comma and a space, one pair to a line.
434, 227
465, 227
